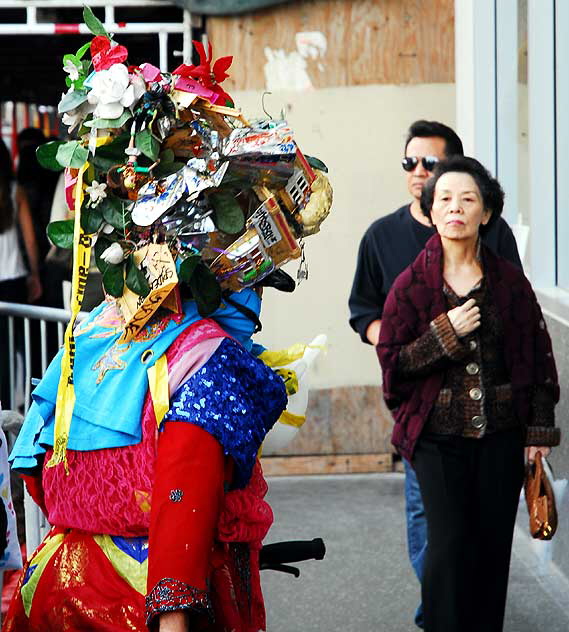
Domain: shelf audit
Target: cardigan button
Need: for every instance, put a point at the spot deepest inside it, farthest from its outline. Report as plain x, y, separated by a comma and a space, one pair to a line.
473, 344
475, 394
542, 324
478, 421
472, 368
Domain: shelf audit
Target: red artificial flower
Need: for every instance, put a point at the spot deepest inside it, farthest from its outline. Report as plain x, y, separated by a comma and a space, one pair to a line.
207, 76
104, 55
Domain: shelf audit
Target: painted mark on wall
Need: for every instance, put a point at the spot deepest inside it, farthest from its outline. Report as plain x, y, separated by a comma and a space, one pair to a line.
288, 70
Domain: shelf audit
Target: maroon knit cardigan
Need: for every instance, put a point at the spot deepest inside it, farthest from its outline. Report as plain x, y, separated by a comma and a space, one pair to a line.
416, 298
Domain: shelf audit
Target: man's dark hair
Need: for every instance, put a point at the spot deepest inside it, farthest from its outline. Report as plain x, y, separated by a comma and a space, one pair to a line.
426, 129
490, 189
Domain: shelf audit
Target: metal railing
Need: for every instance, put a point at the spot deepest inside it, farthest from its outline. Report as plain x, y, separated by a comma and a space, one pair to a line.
27, 314
20, 317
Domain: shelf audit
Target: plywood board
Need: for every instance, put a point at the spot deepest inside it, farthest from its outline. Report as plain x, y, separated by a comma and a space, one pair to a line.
334, 464
367, 42
343, 420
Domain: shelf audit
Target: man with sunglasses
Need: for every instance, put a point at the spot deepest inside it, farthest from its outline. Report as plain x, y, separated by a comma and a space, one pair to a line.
389, 245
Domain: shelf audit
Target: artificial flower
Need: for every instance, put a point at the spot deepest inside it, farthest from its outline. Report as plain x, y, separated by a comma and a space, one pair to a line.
71, 69
74, 118
96, 192
113, 90
114, 254
104, 54
107, 229
204, 73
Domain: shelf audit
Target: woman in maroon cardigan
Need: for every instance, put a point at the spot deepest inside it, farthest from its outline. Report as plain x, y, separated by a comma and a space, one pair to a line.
470, 376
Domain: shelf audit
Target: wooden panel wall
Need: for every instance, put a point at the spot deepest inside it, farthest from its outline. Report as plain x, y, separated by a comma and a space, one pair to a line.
369, 41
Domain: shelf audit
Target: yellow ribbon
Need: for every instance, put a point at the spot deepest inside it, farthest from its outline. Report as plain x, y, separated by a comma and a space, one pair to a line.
65, 402
290, 380
290, 419
158, 384
65, 391
283, 356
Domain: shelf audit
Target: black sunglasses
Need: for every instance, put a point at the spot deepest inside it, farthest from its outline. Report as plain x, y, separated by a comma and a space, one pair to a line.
410, 162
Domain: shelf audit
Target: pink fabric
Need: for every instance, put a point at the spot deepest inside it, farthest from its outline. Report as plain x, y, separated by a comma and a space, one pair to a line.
245, 517
193, 359
109, 490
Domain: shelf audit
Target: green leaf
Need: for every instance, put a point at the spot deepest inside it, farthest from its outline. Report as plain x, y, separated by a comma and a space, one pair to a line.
93, 24
316, 163
102, 243
187, 267
78, 83
112, 154
79, 54
229, 216
167, 156
46, 155
147, 144
205, 290
72, 58
113, 212
61, 233
113, 280
71, 100
91, 219
100, 123
135, 279
162, 170
72, 154
86, 66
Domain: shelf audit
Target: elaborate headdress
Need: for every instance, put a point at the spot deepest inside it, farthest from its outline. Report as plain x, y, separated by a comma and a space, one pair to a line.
173, 188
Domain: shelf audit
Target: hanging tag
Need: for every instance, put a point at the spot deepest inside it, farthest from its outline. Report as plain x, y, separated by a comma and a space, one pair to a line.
302, 273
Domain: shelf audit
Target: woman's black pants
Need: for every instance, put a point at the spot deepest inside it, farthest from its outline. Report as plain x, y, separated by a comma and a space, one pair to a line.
470, 489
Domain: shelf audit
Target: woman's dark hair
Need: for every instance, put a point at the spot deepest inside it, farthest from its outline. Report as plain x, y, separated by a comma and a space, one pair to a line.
6, 179
428, 129
490, 189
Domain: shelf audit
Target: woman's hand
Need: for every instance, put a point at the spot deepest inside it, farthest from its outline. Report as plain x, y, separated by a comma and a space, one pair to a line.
34, 287
465, 318
531, 450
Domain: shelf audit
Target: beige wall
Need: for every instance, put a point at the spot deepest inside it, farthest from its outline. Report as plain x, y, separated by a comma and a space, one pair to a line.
359, 133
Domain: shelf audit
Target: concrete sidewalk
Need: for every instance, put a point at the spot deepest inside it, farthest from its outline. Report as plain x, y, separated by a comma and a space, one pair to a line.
365, 583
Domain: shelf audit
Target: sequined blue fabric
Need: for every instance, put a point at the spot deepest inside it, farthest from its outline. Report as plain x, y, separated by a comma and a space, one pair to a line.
237, 399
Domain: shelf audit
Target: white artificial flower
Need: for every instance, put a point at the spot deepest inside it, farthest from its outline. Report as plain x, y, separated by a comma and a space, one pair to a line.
71, 69
113, 90
75, 117
138, 86
96, 192
114, 254
107, 229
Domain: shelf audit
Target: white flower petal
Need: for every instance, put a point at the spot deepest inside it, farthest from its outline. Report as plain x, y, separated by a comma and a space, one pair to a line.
114, 254
108, 110
127, 98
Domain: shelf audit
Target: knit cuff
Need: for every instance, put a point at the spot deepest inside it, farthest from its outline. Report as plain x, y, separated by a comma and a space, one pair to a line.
172, 594
543, 436
447, 337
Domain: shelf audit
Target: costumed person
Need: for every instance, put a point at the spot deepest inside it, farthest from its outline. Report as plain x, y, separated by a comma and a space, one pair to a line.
142, 441
469, 372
